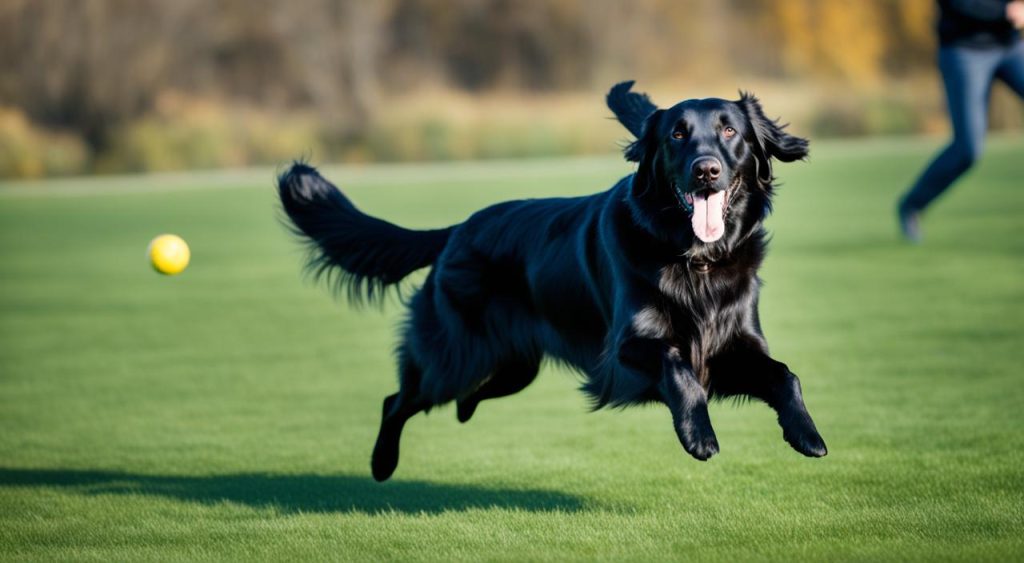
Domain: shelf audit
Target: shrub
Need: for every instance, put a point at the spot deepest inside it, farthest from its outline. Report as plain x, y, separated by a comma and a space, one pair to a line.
27, 151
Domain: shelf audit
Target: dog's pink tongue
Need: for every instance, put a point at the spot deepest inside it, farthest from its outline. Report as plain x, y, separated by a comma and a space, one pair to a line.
708, 221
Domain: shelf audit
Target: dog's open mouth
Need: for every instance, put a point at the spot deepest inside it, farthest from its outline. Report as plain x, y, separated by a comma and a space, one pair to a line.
707, 209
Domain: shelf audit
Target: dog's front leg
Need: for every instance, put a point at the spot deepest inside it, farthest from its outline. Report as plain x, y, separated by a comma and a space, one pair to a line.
745, 368
675, 384
688, 401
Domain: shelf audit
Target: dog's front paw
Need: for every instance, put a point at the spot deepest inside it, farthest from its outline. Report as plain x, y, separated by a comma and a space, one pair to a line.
801, 433
698, 440
703, 449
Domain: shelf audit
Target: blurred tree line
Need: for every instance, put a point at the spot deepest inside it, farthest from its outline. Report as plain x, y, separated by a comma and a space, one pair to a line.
113, 84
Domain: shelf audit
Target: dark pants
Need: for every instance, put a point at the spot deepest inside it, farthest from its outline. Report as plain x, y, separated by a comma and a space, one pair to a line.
968, 74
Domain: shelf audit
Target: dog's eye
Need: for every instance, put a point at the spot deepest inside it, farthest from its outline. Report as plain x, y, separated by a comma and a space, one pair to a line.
728, 132
678, 135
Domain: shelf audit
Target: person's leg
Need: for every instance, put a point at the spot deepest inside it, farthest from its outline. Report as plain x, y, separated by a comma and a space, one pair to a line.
1011, 69
967, 75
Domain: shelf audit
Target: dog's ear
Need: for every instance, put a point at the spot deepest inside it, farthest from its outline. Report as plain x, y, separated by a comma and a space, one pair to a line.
771, 141
647, 141
630, 108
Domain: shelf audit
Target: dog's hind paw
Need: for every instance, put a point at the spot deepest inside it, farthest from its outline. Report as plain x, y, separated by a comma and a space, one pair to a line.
464, 410
384, 461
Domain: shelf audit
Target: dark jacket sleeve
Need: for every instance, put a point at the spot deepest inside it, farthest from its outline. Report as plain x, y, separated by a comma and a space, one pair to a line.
981, 10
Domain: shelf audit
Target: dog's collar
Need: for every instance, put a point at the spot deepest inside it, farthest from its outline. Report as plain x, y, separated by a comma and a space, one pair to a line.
701, 266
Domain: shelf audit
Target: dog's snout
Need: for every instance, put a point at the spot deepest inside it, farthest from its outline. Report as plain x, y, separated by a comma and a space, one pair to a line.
707, 168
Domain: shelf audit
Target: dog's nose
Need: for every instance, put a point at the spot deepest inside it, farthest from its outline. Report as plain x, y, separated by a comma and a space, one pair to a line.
707, 168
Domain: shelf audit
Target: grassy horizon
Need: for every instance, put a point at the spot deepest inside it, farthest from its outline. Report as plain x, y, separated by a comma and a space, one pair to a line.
228, 413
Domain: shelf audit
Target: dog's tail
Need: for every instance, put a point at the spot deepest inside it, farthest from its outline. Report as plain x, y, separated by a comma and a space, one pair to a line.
630, 108
353, 251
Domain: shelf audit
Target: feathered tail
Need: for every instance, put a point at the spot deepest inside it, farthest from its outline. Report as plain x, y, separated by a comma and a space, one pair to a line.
355, 252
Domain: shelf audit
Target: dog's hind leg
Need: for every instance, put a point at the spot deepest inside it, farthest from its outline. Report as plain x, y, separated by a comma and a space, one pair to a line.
508, 378
398, 409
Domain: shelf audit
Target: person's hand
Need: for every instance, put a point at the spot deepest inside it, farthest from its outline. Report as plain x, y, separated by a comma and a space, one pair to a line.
1015, 13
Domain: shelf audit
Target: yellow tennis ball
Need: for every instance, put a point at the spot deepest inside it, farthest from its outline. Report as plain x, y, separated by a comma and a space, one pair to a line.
169, 254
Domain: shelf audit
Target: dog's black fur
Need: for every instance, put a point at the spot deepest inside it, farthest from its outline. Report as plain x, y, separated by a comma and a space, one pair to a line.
614, 284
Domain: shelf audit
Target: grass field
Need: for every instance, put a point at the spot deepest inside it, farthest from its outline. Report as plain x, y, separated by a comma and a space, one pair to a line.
229, 413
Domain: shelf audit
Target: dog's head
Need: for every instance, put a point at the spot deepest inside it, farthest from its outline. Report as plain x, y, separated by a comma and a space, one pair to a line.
711, 157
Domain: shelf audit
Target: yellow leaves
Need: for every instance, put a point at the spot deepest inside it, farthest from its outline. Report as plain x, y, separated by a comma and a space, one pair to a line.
846, 39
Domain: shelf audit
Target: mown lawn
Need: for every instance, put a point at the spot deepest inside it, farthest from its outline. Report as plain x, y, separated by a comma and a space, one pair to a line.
229, 413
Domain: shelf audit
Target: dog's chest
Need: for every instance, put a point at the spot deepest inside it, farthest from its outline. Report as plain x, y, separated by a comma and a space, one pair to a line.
696, 282
701, 300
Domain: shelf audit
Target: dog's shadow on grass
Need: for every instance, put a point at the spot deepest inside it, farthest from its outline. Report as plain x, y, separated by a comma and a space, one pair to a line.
296, 493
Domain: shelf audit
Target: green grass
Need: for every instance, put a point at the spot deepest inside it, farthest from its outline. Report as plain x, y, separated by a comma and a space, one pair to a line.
229, 413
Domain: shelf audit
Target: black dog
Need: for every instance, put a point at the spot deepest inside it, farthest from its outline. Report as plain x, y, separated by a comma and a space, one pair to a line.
649, 289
